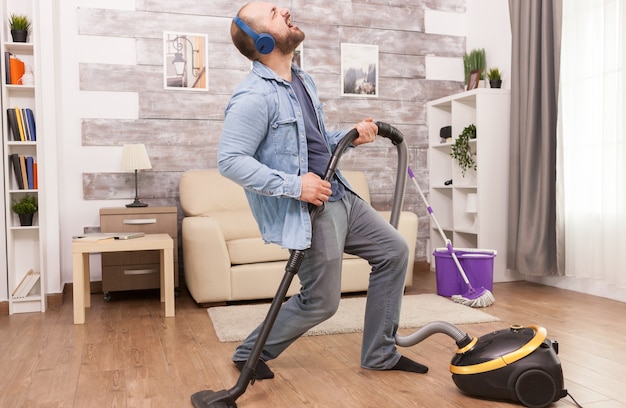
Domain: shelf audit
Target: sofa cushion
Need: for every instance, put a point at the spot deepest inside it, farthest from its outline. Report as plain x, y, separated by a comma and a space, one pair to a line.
254, 250
206, 191
236, 224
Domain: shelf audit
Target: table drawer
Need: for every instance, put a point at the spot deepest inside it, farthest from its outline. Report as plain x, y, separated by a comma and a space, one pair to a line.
131, 277
148, 223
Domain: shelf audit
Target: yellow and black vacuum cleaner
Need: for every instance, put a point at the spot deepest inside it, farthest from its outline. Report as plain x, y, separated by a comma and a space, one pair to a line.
517, 364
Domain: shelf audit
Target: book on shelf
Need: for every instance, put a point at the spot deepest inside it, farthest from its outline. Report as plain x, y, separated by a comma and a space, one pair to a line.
25, 171
35, 176
7, 69
12, 121
26, 285
25, 125
17, 68
30, 161
30, 120
22, 124
17, 170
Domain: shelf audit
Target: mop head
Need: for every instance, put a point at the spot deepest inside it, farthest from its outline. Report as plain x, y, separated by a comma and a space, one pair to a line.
475, 298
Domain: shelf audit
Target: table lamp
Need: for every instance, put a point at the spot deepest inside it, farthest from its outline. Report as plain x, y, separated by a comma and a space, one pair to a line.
471, 207
135, 157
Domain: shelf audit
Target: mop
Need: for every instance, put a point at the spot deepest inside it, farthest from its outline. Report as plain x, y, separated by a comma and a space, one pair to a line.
473, 297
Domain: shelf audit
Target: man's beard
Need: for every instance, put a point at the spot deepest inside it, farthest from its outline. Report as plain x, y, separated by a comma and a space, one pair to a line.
288, 44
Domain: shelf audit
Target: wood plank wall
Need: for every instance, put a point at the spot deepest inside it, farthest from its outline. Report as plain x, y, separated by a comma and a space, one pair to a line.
181, 128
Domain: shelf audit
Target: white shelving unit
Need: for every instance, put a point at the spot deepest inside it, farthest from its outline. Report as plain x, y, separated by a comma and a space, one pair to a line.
488, 109
24, 246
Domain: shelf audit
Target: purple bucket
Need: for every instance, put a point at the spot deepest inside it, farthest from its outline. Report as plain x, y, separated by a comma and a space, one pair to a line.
477, 264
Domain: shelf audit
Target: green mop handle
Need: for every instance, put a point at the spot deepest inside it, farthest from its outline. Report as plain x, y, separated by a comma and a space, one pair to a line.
443, 235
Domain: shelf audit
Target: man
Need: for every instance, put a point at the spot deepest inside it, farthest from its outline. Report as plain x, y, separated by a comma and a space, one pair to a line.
274, 144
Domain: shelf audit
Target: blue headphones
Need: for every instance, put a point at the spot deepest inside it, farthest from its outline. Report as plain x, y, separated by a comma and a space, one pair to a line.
264, 43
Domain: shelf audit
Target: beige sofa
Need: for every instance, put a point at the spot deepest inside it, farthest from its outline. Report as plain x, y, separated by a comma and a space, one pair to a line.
225, 258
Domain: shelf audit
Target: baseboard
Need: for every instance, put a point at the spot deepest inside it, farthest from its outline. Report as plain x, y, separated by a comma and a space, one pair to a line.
53, 301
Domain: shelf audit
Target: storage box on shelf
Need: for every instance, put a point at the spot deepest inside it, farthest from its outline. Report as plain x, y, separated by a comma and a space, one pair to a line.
21, 148
484, 225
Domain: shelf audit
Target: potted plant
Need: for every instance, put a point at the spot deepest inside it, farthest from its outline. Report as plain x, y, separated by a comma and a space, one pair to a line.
461, 150
495, 77
25, 208
20, 27
473, 61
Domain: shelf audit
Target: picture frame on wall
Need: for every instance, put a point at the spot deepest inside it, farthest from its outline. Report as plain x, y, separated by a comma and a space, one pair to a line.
359, 70
473, 79
185, 61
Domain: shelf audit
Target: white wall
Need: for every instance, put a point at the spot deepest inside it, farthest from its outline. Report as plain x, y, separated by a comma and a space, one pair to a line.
73, 158
489, 27
485, 24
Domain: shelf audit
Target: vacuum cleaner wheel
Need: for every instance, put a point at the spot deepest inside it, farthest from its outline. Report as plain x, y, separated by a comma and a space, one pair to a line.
535, 388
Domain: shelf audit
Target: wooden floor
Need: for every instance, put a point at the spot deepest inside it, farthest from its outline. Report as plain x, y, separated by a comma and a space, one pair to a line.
128, 355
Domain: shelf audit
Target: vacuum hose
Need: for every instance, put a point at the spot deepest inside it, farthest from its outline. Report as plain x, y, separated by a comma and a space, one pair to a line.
461, 338
396, 137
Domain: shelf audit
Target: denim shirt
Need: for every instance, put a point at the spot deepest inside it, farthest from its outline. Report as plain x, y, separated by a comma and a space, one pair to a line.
263, 148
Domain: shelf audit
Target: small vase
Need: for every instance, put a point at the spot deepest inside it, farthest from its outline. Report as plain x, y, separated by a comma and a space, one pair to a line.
19, 35
26, 220
495, 83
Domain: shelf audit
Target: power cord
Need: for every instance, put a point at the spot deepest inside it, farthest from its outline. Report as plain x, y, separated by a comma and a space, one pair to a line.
575, 402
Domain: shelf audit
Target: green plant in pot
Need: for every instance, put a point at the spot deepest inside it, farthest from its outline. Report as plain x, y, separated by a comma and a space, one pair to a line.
495, 77
462, 152
25, 208
473, 61
20, 27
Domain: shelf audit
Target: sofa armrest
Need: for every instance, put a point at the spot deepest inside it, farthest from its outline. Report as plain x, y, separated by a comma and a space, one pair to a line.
206, 260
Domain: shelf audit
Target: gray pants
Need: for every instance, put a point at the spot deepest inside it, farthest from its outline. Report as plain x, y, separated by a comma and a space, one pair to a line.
353, 226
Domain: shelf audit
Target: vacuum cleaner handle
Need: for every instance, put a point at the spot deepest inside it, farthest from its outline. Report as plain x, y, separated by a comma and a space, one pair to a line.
341, 147
390, 132
384, 130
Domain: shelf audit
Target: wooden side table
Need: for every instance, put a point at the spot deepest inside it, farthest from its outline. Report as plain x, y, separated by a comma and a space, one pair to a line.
80, 265
136, 270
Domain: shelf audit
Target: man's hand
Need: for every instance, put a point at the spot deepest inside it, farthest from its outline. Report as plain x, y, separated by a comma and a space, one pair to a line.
367, 132
315, 190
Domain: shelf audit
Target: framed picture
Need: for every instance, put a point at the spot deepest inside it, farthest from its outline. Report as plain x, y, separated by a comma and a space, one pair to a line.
359, 70
472, 81
185, 61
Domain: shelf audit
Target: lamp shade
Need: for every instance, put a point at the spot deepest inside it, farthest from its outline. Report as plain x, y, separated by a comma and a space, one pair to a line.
135, 157
471, 203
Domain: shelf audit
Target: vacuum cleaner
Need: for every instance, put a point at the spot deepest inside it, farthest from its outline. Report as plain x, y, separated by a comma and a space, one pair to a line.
518, 364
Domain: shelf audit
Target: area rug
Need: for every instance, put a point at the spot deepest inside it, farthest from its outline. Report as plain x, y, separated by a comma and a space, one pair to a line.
233, 323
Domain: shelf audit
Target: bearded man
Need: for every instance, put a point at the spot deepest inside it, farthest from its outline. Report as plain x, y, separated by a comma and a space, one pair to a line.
275, 145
